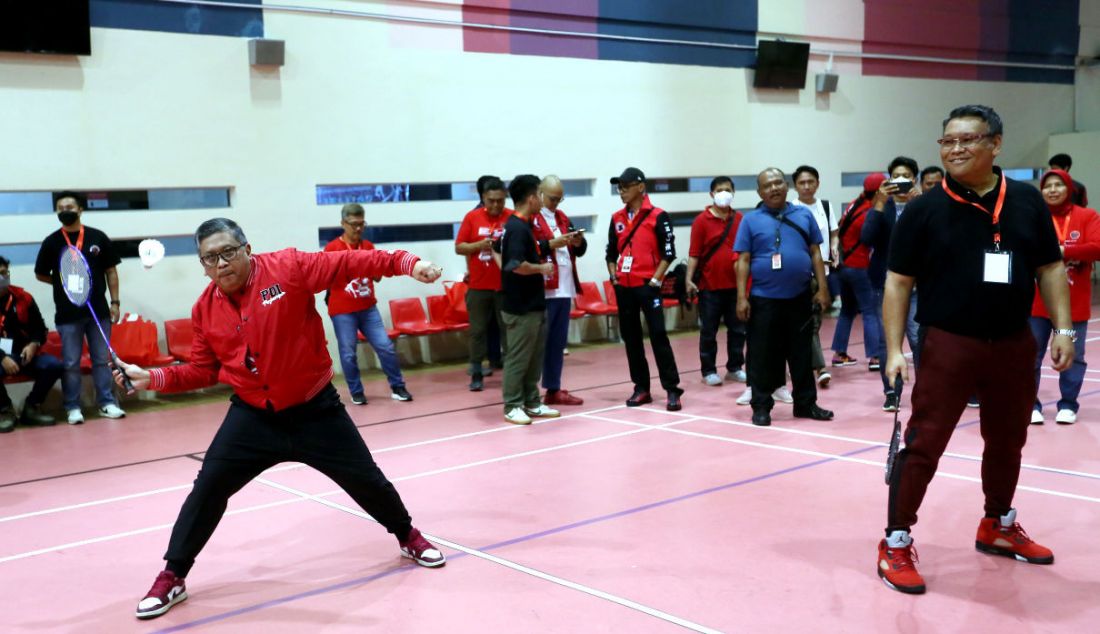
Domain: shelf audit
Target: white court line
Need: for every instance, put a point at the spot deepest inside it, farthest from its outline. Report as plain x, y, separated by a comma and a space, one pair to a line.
862, 441
522, 454
840, 458
290, 467
600, 594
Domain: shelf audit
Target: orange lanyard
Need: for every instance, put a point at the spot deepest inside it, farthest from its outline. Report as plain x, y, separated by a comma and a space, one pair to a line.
1061, 231
348, 245
79, 238
996, 208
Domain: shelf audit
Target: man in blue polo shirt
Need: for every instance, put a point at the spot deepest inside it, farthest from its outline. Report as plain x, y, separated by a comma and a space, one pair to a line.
778, 244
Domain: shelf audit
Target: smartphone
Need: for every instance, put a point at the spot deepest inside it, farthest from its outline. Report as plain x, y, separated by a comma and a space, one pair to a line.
903, 185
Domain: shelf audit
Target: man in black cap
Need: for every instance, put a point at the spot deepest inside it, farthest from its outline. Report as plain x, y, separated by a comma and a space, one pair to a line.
639, 250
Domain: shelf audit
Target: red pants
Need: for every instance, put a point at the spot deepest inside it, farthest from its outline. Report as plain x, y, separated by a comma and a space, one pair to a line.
953, 368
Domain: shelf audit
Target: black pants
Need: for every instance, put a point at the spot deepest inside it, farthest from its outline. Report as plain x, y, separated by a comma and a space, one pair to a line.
714, 308
647, 301
780, 336
318, 433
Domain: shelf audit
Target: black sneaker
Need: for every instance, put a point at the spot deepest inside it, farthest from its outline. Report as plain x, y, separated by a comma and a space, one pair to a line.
400, 394
33, 417
891, 404
359, 398
477, 383
812, 411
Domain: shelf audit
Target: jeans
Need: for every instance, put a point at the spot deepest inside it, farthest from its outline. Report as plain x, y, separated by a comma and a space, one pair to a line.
368, 322
913, 334
72, 344
857, 296
714, 308
557, 334
1069, 381
45, 369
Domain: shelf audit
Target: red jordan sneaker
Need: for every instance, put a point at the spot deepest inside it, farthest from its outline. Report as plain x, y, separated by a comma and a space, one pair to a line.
898, 566
1004, 536
167, 591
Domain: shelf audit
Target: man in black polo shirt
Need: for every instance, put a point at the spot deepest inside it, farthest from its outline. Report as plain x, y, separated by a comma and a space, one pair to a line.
524, 262
976, 246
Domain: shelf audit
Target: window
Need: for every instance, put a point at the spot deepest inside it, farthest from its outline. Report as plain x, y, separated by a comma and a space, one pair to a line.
416, 192
15, 203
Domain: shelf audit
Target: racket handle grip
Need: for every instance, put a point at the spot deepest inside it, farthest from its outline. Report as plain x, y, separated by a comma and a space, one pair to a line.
126, 382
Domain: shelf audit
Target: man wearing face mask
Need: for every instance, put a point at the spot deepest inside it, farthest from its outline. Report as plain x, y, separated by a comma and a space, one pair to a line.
640, 247
22, 333
710, 277
74, 324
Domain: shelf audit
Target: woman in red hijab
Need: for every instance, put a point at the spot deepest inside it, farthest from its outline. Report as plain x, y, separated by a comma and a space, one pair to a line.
1078, 230
856, 292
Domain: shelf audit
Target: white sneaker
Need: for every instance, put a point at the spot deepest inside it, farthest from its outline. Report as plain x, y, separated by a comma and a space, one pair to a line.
823, 378
565, 351
76, 417
738, 376
745, 398
712, 379
1036, 417
517, 417
783, 395
542, 411
1065, 417
110, 410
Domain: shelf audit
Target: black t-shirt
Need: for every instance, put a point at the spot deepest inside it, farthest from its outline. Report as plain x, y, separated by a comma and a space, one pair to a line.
101, 256
522, 293
942, 243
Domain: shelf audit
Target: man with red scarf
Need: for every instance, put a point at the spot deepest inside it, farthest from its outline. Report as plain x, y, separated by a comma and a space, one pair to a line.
976, 246
257, 329
1078, 230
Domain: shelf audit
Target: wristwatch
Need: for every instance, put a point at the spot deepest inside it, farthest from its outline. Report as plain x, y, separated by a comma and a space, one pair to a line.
1067, 332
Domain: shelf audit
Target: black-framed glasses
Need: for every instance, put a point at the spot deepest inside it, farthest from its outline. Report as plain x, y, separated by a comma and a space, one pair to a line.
227, 255
356, 225
965, 141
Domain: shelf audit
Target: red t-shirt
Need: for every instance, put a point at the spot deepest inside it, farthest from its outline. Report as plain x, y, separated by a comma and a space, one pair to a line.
267, 341
354, 294
707, 228
1079, 232
476, 226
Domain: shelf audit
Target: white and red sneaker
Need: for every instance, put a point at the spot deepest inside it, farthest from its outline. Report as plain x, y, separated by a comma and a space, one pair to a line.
167, 591
421, 551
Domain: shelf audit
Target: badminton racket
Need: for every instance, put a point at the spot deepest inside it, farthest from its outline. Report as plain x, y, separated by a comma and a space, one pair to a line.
895, 439
76, 281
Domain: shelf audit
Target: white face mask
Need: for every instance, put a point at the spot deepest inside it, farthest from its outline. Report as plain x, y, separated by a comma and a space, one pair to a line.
723, 198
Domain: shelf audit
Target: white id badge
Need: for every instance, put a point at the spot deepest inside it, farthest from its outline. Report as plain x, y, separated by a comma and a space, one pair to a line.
75, 285
6, 346
777, 261
998, 267
628, 261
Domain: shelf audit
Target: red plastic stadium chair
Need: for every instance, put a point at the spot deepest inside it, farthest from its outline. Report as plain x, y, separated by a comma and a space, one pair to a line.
609, 292
439, 308
409, 319
178, 334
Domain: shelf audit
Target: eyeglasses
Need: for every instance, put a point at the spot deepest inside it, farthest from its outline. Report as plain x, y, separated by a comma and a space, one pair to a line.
227, 254
965, 141
355, 225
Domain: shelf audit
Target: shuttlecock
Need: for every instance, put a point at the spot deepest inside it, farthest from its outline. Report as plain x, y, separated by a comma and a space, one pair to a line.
150, 252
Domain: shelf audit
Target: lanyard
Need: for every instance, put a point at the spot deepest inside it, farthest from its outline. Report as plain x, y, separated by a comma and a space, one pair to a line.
779, 225
1061, 231
349, 246
79, 239
996, 208
4, 315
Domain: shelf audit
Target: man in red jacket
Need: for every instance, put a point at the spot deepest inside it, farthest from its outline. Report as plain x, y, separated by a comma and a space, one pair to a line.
639, 249
257, 329
22, 333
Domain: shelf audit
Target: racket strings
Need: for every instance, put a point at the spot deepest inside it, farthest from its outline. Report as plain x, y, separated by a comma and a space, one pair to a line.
75, 279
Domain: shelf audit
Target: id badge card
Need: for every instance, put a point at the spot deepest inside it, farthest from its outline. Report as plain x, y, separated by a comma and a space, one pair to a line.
998, 267
777, 261
6, 346
628, 261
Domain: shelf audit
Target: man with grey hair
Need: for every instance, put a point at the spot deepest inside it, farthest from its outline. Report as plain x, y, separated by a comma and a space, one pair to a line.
353, 308
256, 328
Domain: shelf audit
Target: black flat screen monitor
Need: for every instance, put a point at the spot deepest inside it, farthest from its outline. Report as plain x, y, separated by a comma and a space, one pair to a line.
781, 64
58, 27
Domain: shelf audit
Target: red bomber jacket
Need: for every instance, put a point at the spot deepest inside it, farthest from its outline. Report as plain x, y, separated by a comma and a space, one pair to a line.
267, 341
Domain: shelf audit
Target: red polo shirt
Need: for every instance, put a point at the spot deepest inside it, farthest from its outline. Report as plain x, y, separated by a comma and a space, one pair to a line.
350, 295
476, 226
706, 230
267, 341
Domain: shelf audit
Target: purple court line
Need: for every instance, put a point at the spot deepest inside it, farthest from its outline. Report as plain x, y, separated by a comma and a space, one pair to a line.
530, 537
518, 540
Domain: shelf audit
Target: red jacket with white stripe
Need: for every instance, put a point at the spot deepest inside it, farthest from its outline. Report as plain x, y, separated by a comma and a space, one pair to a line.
267, 341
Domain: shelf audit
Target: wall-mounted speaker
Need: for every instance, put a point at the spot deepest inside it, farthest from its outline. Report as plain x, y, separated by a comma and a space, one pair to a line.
266, 52
826, 82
